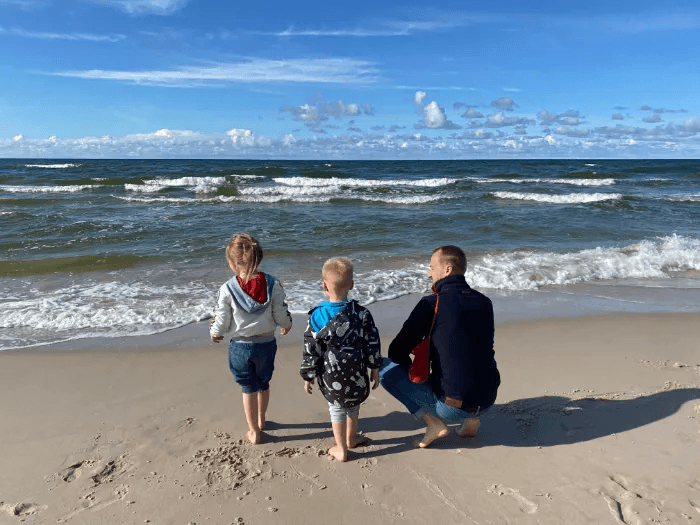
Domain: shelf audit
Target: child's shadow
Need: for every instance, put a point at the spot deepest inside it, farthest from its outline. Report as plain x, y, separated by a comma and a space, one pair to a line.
369, 426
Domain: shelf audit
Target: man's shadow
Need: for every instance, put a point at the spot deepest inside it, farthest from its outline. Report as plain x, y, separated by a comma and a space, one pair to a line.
543, 421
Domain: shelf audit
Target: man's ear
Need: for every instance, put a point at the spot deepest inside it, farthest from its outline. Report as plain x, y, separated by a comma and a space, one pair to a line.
352, 285
448, 270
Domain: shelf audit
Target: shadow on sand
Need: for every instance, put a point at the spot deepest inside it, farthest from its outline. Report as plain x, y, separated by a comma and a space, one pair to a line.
544, 421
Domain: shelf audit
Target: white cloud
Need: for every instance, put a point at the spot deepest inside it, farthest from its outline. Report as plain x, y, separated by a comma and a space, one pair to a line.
17, 138
244, 136
550, 140
499, 120
472, 113
505, 103
254, 70
62, 36
434, 117
145, 7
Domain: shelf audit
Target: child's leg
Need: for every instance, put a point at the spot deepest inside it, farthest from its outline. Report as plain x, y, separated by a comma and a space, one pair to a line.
340, 431
250, 407
340, 450
354, 439
263, 401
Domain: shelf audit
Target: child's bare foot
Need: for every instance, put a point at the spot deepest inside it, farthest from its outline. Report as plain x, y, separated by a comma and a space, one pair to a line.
436, 429
358, 440
338, 453
469, 427
254, 437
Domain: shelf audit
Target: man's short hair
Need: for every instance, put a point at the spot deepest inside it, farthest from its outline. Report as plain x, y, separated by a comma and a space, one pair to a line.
338, 272
453, 256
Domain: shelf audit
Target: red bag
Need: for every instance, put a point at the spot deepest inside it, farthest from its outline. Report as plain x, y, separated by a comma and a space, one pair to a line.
420, 368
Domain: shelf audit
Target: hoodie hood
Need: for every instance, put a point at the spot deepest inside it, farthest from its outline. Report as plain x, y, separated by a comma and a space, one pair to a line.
245, 301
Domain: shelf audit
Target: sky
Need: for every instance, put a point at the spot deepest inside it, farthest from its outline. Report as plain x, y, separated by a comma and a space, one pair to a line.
357, 80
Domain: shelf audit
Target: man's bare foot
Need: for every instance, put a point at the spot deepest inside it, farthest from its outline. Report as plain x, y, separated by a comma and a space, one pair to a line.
436, 429
469, 427
254, 437
358, 440
338, 453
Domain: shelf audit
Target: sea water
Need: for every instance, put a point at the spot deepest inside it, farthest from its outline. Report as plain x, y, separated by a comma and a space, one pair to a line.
130, 247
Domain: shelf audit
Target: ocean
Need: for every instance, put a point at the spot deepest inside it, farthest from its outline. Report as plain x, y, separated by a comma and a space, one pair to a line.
114, 248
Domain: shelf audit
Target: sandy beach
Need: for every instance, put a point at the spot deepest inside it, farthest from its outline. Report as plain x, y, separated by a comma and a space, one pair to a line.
597, 421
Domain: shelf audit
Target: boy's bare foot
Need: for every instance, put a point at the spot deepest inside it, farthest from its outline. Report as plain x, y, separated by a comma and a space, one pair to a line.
358, 440
338, 453
436, 429
469, 427
254, 437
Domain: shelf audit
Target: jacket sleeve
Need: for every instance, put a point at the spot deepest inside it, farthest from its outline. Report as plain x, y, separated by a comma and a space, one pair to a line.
223, 313
372, 348
312, 358
414, 330
280, 311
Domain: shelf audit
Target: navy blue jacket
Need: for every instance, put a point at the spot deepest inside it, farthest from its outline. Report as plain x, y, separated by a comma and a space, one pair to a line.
461, 346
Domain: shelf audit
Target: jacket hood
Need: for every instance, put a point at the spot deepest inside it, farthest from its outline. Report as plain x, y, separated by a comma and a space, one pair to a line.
245, 301
337, 332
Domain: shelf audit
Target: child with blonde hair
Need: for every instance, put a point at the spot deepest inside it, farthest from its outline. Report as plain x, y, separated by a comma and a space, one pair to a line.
250, 306
340, 344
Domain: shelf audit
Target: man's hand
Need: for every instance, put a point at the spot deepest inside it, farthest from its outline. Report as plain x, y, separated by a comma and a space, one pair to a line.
307, 386
284, 331
216, 338
374, 378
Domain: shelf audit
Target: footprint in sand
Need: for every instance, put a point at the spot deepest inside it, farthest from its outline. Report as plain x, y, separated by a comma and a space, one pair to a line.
525, 505
71, 473
21, 509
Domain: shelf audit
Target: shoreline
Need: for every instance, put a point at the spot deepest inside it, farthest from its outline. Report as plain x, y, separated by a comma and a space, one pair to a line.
583, 300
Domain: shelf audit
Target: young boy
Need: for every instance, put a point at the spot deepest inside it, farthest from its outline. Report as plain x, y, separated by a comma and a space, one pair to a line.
340, 344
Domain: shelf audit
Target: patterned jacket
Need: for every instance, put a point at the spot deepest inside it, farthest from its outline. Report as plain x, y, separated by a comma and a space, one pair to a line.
340, 353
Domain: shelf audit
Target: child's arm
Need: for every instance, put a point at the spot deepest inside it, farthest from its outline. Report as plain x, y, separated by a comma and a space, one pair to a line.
280, 311
372, 347
223, 313
374, 378
312, 358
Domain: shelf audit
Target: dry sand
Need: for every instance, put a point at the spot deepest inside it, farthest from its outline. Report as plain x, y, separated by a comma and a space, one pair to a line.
597, 421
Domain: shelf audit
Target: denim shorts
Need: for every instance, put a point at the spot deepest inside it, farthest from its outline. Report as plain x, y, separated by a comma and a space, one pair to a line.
252, 364
419, 398
339, 414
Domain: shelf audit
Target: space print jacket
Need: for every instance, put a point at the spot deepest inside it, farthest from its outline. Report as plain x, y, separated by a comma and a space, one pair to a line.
340, 354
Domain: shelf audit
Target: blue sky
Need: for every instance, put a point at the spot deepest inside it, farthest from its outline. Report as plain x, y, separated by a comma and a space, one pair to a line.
210, 79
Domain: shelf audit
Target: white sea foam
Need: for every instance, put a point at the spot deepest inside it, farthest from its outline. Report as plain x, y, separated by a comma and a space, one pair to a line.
363, 183
570, 182
571, 198
110, 309
48, 189
197, 184
683, 197
138, 307
531, 270
52, 166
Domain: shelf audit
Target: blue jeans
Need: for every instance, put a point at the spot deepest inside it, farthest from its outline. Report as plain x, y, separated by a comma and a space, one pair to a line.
252, 364
418, 398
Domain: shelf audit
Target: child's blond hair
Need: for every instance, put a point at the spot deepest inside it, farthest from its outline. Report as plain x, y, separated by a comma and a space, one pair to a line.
338, 273
244, 252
